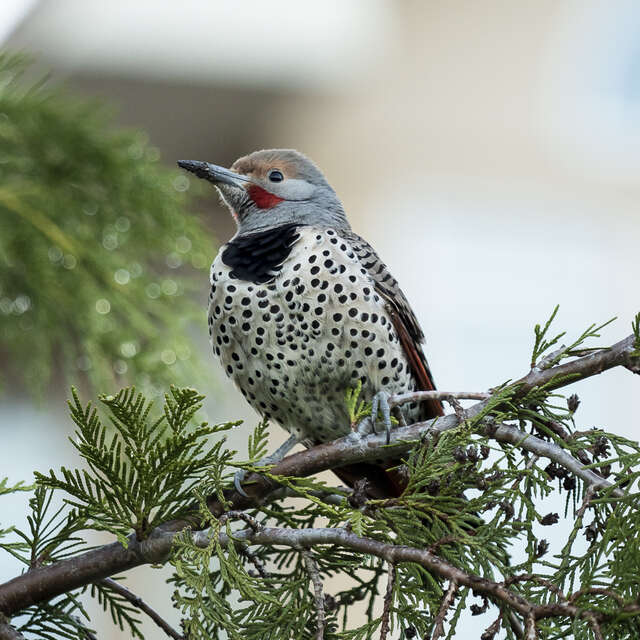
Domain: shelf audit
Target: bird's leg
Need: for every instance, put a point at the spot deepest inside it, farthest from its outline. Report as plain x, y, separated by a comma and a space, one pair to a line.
273, 458
379, 402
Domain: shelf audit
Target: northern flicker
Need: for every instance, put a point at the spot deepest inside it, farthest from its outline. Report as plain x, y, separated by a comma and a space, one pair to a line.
301, 308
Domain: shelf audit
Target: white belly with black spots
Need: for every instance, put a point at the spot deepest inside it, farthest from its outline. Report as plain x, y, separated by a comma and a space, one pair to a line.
294, 345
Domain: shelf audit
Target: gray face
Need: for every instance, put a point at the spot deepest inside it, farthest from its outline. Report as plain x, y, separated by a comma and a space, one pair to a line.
271, 188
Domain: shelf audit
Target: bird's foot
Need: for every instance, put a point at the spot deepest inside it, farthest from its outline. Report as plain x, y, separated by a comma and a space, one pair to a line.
238, 478
241, 474
379, 403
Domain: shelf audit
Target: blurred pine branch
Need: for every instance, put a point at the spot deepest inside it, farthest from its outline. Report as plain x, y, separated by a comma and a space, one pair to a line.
99, 256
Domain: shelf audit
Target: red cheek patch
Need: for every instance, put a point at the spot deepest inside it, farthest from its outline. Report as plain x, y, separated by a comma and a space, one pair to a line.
262, 198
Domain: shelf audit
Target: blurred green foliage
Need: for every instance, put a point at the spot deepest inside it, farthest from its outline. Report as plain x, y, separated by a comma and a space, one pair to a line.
99, 256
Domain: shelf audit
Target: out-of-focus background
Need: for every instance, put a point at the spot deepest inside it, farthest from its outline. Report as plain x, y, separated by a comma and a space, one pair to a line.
489, 150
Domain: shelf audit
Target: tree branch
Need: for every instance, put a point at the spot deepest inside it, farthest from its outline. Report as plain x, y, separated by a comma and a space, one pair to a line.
351, 449
43, 583
447, 601
419, 396
388, 601
530, 629
318, 597
138, 602
395, 554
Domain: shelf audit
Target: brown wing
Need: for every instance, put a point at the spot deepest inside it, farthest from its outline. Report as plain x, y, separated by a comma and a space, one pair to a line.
383, 480
404, 320
419, 366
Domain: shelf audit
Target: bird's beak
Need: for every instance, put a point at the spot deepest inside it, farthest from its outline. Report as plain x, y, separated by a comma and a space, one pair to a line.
214, 173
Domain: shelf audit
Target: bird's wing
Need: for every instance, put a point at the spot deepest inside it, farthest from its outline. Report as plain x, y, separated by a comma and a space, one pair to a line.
404, 320
387, 479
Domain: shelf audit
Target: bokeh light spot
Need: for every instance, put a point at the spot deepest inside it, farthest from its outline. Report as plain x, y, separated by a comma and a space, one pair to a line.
168, 356
169, 287
153, 290
103, 306
128, 349
122, 276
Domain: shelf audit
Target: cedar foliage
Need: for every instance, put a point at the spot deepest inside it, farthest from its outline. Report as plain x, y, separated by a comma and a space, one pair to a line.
480, 503
97, 248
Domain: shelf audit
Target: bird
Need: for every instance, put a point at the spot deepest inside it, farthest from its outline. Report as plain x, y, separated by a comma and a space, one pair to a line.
301, 309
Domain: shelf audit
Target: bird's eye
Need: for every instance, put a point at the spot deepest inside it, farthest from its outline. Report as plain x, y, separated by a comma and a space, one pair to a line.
276, 176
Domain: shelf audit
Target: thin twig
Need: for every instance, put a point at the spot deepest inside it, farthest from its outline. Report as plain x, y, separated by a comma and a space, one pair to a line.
318, 596
255, 561
240, 515
388, 601
586, 501
530, 629
447, 601
443, 541
457, 407
595, 626
328, 497
138, 602
531, 577
420, 396
550, 358
491, 631
597, 591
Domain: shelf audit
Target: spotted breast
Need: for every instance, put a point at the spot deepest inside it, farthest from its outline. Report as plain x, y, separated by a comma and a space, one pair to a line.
296, 319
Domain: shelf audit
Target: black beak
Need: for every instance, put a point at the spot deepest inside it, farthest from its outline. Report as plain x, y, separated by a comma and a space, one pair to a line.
214, 173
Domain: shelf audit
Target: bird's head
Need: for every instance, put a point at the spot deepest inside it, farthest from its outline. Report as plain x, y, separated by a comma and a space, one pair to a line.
271, 188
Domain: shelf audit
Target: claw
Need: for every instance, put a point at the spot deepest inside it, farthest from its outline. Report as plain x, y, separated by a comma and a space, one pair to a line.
238, 479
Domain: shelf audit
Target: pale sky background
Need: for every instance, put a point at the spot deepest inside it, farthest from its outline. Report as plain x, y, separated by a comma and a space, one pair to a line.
489, 150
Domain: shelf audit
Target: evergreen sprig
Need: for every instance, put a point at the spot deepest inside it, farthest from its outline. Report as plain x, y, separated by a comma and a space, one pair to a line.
5, 489
50, 537
542, 343
357, 409
143, 469
477, 502
123, 614
61, 619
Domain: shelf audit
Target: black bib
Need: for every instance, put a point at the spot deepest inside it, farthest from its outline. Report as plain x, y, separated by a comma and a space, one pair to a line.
257, 257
